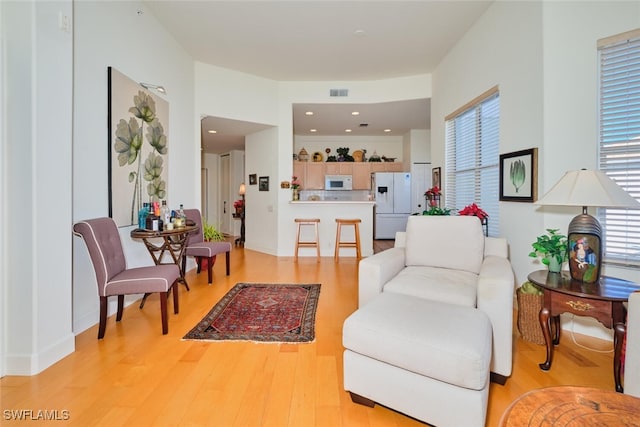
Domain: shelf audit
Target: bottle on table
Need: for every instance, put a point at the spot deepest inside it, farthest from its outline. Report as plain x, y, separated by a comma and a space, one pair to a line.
165, 214
182, 215
142, 215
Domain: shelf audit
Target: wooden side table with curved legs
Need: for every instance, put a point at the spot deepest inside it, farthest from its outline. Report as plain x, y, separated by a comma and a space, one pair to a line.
602, 300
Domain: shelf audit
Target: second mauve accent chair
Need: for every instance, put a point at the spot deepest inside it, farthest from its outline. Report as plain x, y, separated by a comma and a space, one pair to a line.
198, 248
114, 278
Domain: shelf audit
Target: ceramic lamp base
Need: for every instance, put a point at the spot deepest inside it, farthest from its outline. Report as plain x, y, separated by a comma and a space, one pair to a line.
585, 248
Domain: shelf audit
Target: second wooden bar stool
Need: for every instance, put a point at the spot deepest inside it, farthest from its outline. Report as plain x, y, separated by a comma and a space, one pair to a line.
342, 244
307, 243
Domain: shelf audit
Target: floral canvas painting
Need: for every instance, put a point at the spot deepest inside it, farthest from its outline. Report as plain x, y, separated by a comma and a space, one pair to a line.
138, 148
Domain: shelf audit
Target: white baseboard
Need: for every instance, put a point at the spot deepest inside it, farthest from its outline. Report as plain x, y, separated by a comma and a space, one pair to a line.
34, 363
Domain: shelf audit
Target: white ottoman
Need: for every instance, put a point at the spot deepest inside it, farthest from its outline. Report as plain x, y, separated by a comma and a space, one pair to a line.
426, 359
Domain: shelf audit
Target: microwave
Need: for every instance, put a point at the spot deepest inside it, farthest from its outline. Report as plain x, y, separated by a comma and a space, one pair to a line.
338, 182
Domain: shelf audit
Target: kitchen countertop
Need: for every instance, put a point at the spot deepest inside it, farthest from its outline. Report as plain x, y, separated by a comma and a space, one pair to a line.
306, 202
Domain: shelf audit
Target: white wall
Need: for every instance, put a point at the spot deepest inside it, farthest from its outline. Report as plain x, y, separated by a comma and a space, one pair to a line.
261, 156
113, 33
504, 48
571, 103
211, 164
543, 57
36, 182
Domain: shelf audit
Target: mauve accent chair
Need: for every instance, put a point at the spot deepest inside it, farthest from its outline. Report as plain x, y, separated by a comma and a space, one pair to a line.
114, 278
198, 248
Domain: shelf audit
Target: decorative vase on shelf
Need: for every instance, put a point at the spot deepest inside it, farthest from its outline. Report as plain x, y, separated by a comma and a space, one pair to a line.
295, 194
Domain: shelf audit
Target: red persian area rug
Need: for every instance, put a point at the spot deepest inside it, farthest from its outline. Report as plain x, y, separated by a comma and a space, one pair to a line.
261, 312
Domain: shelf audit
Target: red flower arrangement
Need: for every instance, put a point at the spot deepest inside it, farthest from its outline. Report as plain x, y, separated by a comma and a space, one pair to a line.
238, 204
433, 191
474, 210
433, 196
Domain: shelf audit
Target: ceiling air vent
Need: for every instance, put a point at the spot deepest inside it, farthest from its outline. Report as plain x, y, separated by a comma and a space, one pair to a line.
364, 125
338, 92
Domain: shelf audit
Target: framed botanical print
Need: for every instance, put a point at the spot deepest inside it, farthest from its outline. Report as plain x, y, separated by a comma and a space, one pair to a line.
519, 176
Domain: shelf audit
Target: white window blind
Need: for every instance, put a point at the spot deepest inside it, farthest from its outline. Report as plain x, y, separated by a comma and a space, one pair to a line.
472, 157
620, 143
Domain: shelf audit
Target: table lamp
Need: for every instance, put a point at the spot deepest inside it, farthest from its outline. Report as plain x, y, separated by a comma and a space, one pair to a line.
586, 188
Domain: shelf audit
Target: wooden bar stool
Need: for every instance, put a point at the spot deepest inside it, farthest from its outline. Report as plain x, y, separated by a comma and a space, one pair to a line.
342, 244
308, 243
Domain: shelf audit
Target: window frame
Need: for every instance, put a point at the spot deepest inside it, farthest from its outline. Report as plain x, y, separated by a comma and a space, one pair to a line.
619, 142
484, 169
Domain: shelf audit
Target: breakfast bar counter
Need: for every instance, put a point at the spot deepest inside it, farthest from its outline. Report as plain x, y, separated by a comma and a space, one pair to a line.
328, 211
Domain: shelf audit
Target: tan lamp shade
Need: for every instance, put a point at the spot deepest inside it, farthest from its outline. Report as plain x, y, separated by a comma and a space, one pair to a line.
588, 188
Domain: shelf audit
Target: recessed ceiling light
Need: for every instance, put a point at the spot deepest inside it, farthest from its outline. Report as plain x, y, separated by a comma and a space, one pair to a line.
355, 113
387, 130
313, 130
308, 113
212, 131
347, 130
359, 33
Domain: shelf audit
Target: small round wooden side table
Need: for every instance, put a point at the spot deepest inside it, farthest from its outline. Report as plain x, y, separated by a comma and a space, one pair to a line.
571, 406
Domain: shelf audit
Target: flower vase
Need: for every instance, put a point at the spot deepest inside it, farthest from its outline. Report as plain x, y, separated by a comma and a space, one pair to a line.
433, 200
554, 265
295, 194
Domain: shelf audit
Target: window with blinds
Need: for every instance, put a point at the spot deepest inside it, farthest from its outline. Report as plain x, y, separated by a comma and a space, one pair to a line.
472, 156
619, 129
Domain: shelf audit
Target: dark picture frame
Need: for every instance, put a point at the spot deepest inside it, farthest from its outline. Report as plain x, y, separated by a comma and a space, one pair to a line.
253, 179
263, 183
436, 180
519, 176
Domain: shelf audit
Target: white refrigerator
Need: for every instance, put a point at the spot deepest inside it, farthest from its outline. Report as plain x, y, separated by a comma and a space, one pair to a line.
392, 192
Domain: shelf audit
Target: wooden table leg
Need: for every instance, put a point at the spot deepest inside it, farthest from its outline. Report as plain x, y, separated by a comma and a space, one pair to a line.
556, 329
618, 341
546, 331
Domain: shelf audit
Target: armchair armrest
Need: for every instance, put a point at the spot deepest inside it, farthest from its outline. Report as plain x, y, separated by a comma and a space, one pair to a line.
376, 270
496, 246
401, 239
495, 297
632, 358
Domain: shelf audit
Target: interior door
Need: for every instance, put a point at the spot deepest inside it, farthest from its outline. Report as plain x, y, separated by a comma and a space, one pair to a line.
225, 204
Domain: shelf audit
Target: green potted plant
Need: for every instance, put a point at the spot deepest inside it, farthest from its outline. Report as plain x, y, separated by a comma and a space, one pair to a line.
551, 248
211, 233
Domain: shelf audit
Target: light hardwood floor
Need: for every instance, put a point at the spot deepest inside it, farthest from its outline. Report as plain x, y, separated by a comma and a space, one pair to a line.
138, 377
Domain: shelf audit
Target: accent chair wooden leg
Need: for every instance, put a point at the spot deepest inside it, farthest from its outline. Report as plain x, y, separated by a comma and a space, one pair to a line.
360, 400
120, 307
199, 263
163, 312
184, 263
497, 378
210, 262
176, 306
228, 261
103, 317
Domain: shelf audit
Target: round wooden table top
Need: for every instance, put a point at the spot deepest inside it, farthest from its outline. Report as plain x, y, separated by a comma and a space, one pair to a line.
570, 406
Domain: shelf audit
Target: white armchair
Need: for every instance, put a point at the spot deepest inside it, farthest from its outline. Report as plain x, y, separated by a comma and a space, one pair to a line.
448, 259
632, 357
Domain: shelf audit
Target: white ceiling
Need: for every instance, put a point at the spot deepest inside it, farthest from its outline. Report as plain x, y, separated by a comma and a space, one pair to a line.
307, 40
